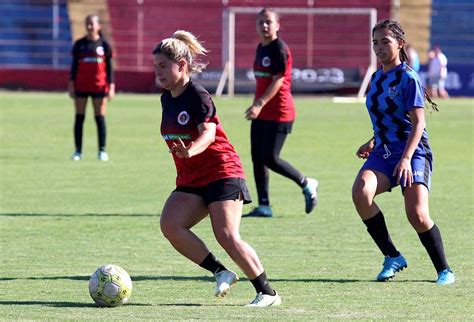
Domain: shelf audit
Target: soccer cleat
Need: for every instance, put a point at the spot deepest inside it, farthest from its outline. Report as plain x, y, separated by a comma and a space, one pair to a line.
103, 156
391, 265
310, 193
224, 281
446, 277
262, 300
76, 156
260, 211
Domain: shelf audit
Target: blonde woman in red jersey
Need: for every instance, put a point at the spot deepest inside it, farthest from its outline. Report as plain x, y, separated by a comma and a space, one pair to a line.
272, 114
210, 178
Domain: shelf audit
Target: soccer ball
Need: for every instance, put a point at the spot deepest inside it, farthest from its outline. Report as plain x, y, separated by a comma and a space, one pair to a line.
110, 286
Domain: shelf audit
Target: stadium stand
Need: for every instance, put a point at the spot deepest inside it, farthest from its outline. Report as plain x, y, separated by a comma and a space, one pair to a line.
36, 36
80, 9
138, 27
415, 17
452, 27
29, 36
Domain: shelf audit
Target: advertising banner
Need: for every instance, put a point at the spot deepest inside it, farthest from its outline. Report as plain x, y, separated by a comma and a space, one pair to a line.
460, 81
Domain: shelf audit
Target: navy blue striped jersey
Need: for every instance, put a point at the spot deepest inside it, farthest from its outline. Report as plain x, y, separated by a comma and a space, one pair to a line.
391, 96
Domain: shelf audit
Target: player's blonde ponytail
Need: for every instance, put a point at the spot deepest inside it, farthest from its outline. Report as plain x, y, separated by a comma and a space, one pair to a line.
183, 45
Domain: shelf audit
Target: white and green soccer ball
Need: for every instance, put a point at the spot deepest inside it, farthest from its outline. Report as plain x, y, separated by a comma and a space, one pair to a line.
110, 286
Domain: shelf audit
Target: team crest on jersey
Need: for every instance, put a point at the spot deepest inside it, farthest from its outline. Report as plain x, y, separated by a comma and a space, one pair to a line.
392, 92
100, 50
183, 118
266, 61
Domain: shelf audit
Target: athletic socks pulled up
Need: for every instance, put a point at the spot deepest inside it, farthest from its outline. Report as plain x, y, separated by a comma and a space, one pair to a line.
433, 243
78, 125
378, 231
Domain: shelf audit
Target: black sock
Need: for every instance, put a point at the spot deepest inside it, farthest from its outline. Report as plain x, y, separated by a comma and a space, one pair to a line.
303, 182
433, 243
78, 125
378, 230
262, 285
101, 131
212, 264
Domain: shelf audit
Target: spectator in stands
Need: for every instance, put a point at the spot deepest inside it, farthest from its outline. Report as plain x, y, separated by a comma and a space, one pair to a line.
438, 73
210, 178
413, 59
91, 76
272, 114
398, 154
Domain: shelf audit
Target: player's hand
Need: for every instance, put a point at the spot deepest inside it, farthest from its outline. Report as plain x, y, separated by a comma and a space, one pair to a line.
70, 89
403, 172
365, 149
181, 150
252, 112
111, 92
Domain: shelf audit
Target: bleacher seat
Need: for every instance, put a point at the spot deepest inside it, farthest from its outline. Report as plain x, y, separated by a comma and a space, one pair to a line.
27, 34
452, 27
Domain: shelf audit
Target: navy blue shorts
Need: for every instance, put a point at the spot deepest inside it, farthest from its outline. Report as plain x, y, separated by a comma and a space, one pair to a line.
385, 157
220, 190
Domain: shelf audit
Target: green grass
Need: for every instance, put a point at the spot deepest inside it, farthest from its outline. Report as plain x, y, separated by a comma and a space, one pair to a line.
60, 220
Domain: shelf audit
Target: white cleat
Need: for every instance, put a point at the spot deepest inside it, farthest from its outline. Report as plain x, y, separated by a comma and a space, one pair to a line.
262, 300
76, 156
310, 193
224, 281
103, 156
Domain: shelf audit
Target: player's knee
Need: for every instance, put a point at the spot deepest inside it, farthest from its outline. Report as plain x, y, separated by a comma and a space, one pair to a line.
419, 219
227, 240
272, 161
361, 194
168, 229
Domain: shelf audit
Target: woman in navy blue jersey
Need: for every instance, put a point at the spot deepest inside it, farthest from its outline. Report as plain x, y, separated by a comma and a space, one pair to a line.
91, 75
397, 154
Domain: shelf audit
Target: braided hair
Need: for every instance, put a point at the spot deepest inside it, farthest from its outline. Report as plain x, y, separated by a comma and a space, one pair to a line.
399, 34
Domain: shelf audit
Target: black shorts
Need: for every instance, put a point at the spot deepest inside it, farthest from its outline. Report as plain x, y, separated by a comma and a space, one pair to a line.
262, 126
220, 190
93, 95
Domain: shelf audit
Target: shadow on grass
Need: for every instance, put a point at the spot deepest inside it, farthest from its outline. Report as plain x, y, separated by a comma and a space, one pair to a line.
195, 304
76, 215
92, 305
141, 278
63, 304
134, 278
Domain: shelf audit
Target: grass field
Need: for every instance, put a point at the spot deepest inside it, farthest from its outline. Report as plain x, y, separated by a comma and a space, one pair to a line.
60, 220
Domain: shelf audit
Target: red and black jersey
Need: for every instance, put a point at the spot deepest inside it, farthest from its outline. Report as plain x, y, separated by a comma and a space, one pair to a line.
180, 119
270, 60
91, 68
